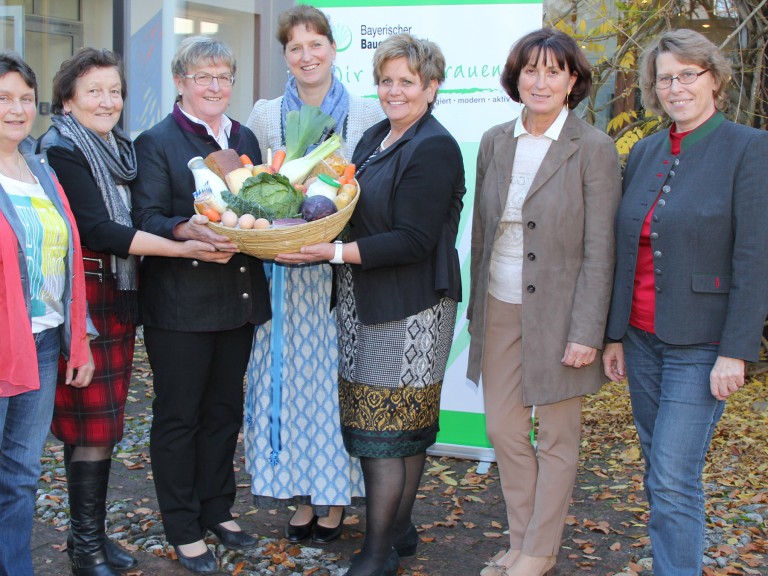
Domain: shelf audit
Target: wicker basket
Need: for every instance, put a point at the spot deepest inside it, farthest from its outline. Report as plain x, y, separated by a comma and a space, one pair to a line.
268, 243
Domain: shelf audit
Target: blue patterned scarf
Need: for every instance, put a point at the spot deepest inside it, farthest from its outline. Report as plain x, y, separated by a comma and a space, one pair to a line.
335, 104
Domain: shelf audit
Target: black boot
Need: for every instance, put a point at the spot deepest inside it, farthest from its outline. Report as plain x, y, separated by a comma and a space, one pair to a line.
87, 484
118, 558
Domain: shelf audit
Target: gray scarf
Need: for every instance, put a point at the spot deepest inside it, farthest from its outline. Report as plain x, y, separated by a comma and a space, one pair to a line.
112, 161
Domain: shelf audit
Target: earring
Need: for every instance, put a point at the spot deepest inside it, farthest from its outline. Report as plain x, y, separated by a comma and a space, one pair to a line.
180, 93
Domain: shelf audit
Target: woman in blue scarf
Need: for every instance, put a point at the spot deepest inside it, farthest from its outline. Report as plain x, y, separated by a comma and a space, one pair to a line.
294, 450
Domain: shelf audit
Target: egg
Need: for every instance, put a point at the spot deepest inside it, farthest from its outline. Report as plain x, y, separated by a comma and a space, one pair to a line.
246, 221
261, 224
229, 218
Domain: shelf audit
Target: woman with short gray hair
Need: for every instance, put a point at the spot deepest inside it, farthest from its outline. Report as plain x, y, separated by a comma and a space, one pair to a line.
199, 317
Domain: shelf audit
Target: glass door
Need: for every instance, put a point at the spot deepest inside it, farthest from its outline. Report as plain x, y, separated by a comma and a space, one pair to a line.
47, 43
12, 28
44, 43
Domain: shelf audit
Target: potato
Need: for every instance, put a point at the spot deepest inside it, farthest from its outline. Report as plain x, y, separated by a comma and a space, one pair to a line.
350, 189
342, 200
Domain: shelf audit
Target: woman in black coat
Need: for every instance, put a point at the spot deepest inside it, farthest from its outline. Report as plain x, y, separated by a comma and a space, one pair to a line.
198, 317
95, 163
397, 294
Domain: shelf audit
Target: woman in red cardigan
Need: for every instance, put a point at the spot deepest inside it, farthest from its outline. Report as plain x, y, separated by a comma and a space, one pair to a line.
43, 313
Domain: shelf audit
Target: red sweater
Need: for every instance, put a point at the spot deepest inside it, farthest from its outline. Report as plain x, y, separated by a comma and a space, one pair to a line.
18, 355
644, 293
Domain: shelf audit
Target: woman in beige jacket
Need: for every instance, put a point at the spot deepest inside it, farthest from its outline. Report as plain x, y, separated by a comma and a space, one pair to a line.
548, 185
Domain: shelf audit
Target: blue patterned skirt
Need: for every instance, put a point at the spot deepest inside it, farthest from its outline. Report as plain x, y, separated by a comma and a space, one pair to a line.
293, 446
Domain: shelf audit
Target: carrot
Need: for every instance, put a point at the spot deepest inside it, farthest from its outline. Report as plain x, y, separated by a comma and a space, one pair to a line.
343, 180
277, 160
349, 172
245, 160
213, 216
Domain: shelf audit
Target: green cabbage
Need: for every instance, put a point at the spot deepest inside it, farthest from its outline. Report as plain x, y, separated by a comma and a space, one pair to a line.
267, 196
241, 206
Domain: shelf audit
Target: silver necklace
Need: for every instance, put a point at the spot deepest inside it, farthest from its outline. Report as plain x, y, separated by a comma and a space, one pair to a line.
381, 146
23, 163
18, 167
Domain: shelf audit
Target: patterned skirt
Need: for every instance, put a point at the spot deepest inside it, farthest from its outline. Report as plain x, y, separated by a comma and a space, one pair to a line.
391, 376
293, 446
93, 416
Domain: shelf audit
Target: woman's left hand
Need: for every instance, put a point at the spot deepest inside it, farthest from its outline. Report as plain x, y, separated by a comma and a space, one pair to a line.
727, 377
80, 376
308, 254
578, 355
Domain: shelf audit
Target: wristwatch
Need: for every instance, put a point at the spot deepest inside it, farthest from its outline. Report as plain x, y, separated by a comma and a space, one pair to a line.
337, 256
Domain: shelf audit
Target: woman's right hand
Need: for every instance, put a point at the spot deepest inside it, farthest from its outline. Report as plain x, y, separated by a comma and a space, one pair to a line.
204, 251
613, 361
195, 229
80, 376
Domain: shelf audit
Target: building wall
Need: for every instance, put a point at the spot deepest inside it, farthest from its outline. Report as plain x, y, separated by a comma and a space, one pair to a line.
56, 30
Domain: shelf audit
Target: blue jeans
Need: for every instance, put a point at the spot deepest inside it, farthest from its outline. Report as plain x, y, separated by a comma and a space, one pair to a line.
675, 415
24, 423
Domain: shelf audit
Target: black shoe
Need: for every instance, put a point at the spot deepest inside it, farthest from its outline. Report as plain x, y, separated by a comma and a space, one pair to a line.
405, 546
390, 566
205, 563
323, 534
298, 533
407, 543
117, 558
233, 538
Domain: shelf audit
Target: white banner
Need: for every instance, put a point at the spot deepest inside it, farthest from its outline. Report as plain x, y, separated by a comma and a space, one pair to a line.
475, 38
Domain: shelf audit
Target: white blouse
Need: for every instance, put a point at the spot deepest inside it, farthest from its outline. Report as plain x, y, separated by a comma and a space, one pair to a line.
506, 270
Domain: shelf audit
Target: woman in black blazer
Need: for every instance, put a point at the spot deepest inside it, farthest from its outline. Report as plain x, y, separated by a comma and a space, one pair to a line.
198, 316
691, 286
397, 294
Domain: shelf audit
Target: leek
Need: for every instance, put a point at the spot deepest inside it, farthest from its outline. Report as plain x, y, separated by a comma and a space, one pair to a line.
297, 170
303, 128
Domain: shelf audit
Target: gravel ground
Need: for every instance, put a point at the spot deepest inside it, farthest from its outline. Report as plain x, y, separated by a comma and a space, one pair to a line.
458, 513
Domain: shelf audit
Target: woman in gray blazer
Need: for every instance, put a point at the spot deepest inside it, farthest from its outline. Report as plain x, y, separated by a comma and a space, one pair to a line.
548, 185
691, 289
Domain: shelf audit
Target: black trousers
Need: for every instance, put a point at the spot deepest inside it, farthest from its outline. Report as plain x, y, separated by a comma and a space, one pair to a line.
197, 415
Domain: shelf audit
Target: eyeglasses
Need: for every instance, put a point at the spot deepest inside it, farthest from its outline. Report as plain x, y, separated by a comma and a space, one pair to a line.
203, 79
687, 77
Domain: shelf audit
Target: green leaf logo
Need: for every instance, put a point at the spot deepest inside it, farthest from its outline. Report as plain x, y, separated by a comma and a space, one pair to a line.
343, 37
